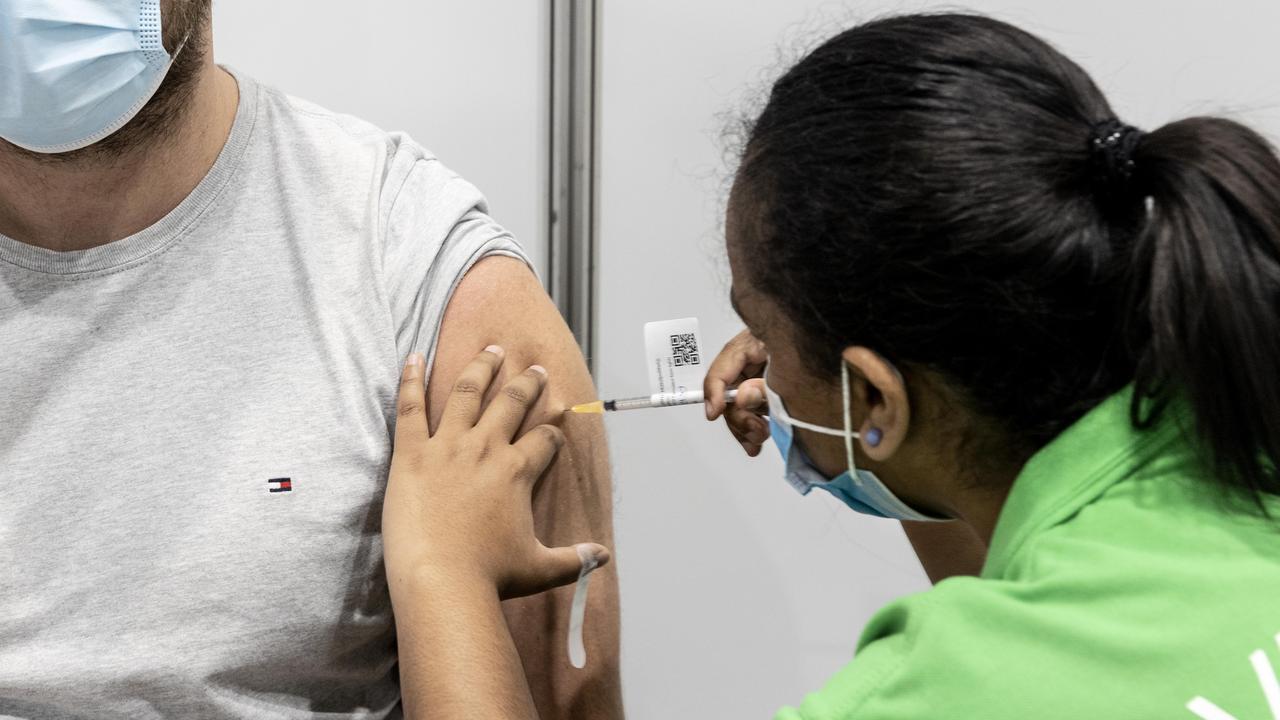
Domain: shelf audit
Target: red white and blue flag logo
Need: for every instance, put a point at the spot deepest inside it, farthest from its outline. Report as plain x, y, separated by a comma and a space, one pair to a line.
280, 485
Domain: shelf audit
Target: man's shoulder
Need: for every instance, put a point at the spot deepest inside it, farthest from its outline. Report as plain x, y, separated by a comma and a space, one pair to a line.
338, 161
330, 145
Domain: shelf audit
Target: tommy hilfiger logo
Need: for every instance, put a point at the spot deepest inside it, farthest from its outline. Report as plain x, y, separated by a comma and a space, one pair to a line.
280, 485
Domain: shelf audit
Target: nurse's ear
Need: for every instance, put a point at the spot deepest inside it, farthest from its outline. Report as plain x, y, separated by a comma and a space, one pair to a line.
874, 383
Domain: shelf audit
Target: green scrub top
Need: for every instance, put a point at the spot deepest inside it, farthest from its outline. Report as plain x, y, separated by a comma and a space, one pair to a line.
1119, 584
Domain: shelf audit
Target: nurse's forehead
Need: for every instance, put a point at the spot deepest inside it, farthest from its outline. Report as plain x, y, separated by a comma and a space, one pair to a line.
749, 310
741, 304
733, 300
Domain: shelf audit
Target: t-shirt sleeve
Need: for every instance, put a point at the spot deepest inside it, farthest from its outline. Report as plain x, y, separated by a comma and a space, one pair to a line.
437, 226
886, 643
966, 648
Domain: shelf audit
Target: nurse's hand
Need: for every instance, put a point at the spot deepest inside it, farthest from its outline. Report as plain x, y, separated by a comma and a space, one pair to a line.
458, 506
740, 363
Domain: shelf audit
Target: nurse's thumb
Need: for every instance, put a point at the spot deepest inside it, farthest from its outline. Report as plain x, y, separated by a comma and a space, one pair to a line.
751, 395
563, 565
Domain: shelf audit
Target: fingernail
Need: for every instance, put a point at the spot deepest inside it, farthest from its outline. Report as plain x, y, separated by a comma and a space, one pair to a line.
602, 556
496, 350
414, 360
590, 557
707, 404
538, 369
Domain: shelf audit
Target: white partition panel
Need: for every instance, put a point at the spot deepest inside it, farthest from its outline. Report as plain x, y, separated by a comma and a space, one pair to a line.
469, 80
738, 594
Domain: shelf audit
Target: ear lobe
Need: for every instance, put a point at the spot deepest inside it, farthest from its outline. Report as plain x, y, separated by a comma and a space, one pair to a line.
888, 412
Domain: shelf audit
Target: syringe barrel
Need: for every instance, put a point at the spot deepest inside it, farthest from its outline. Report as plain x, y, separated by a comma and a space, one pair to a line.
655, 400
688, 397
691, 397
634, 403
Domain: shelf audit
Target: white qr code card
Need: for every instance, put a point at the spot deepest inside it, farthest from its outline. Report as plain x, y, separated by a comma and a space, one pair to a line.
674, 353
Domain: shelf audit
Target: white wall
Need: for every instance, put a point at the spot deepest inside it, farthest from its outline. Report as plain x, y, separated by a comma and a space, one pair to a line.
465, 78
738, 594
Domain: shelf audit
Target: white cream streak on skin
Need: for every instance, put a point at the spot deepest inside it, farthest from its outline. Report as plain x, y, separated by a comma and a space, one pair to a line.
578, 651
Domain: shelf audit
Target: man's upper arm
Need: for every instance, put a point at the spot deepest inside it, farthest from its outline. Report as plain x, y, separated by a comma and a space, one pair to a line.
500, 302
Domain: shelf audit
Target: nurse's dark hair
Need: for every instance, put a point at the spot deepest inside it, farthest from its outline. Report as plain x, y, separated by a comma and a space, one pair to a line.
945, 189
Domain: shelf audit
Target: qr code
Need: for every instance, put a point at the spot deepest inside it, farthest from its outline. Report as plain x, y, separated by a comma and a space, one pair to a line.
684, 349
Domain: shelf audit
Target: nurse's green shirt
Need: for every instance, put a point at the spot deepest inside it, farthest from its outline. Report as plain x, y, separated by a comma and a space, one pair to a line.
1118, 585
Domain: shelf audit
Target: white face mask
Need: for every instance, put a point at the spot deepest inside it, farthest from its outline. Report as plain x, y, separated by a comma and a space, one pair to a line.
861, 490
74, 71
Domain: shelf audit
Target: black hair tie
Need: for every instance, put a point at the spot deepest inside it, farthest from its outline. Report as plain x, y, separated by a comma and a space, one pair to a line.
1111, 146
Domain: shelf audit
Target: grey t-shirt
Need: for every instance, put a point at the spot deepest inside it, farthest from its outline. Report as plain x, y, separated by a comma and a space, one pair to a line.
194, 429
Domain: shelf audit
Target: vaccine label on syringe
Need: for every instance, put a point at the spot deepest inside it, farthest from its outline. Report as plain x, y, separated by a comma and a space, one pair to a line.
674, 352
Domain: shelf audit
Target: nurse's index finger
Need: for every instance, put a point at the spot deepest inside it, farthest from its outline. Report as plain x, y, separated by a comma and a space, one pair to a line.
728, 368
724, 369
744, 416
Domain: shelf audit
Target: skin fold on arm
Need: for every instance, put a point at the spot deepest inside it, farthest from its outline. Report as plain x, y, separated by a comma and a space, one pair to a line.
500, 302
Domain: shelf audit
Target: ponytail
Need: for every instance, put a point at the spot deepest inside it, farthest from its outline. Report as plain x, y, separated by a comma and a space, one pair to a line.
1204, 300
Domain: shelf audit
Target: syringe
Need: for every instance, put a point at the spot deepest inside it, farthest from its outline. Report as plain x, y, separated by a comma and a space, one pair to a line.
692, 397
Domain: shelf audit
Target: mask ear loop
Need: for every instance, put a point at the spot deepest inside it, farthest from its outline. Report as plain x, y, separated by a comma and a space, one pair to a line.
778, 412
849, 435
178, 50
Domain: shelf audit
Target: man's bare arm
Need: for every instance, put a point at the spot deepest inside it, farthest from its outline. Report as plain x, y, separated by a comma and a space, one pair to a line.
499, 302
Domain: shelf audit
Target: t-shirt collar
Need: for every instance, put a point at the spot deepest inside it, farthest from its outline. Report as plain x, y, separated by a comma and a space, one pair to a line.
150, 241
1099, 450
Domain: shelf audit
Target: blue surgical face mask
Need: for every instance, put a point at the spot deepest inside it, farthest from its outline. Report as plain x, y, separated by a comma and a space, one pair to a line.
74, 71
859, 489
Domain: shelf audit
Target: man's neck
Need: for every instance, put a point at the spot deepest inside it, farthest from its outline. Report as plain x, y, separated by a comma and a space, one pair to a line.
79, 205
